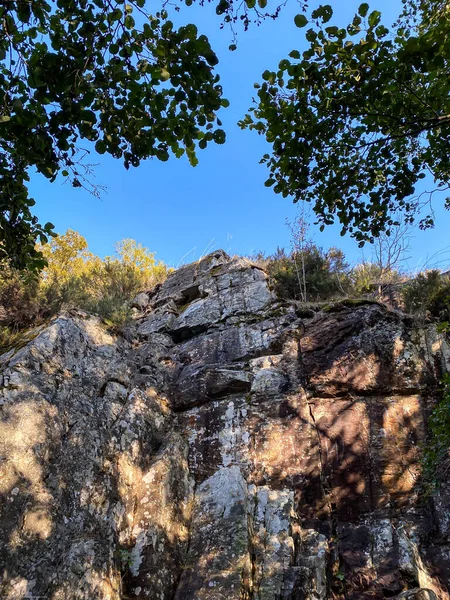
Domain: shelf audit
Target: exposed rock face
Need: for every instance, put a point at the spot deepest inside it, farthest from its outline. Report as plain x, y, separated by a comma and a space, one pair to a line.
237, 449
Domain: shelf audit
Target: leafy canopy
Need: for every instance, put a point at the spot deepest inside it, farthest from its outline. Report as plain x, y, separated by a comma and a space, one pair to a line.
100, 71
359, 117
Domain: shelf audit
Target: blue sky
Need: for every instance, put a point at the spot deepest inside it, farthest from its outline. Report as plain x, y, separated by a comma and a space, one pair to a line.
181, 212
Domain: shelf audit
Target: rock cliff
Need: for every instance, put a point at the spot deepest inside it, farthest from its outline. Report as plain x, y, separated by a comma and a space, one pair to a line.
233, 447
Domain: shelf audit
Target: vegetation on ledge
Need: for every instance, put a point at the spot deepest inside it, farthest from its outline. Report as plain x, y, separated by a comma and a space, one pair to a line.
75, 278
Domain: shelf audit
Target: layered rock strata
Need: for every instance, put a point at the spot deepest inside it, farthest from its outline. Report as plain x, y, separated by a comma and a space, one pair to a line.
232, 447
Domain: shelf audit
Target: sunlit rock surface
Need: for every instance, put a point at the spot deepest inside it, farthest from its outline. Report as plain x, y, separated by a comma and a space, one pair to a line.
237, 448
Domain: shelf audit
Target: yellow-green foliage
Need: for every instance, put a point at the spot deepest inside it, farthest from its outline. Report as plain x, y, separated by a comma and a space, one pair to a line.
67, 257
369, 277
75, 277
141, 261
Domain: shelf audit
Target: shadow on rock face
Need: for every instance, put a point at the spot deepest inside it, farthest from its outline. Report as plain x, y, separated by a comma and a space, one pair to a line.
91, 474
417, 595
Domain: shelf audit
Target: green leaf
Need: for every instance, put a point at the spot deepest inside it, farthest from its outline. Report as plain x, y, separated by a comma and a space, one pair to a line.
363, 9
100, 147
222, 7
129, 22
193, 160
332, 31
211, 57
23, 11
219, 136
323, 12
300, 20
374, 18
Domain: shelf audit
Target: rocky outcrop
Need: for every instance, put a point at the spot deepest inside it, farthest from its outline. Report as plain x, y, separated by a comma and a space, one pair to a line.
232, 447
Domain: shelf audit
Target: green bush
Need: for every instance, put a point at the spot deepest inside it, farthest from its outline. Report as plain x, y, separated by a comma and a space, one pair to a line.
19, 302
107, 289
310, 274
428, 294
436, 456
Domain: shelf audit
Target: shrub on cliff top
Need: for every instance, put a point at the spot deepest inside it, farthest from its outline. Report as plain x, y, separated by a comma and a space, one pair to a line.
310, 274
428, 294
370, 278
76, 278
